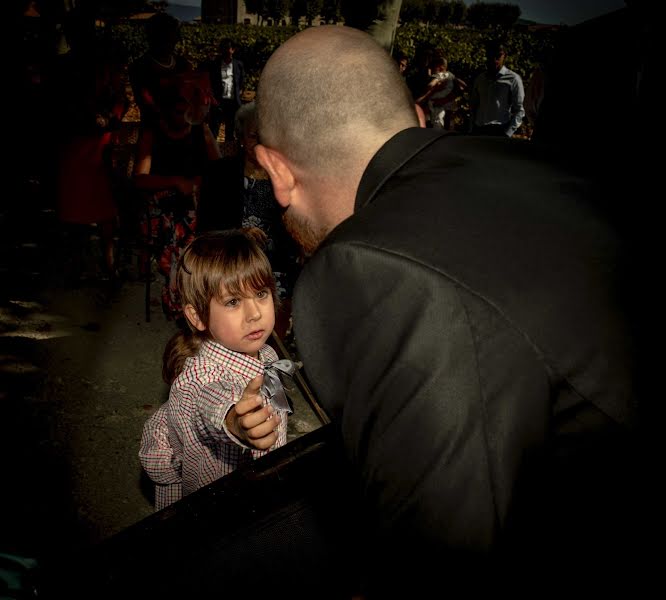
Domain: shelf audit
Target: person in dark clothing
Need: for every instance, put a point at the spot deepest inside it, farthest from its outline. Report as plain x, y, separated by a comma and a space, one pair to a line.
155, 70
418, 76
462, 318
172, 159
227, 79
90, 107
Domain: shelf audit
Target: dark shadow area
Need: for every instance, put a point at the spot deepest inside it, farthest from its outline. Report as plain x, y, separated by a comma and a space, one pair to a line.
147, 487
287, 521
38, 518
605, 127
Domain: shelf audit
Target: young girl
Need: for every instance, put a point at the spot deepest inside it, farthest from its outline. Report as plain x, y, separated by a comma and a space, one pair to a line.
226, 405
441, 94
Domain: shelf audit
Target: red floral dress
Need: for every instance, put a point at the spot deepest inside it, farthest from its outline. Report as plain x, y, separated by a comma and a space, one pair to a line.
170, 217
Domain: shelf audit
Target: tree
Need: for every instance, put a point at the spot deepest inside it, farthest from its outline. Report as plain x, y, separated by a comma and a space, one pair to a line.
451, 13
412, 11
276, 9
310, 9
331, 11
115, 8
255, 7
159, 5
433, 11
458, 12
379, 19
482, 16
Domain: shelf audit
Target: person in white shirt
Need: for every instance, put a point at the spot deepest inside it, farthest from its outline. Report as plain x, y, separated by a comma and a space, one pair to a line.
497, 96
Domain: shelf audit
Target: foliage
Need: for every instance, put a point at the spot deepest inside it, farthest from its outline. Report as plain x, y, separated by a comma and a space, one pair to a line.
255, 7
480, 15
358, 14
483, 16
270, 9
463, 47
453, 13
199, 42
332, 11
277, 9
310, 9
159, 5
420, 10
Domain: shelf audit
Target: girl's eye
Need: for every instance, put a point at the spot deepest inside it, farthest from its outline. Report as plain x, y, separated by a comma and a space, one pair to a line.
232, 302
262, 293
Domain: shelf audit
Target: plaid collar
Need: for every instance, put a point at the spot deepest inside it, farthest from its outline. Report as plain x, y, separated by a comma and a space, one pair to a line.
240, 363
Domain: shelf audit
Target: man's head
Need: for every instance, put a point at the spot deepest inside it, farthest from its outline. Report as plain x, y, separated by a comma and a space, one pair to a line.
327, 100
402, 62
226, 49
245, 129
495, 56
438, 65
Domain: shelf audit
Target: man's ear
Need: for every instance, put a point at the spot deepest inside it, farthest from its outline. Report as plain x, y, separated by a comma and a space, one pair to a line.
420, 114
282, 177
192, 316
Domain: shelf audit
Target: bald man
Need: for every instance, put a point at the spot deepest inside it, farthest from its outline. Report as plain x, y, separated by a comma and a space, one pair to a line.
458, 320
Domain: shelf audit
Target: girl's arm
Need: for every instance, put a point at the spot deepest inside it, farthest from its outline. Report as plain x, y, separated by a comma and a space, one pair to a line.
155, 453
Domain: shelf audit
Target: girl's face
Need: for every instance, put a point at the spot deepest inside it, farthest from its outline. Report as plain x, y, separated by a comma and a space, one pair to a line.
240, 323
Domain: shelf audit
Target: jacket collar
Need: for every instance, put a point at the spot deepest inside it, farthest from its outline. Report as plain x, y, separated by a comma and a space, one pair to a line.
400, 149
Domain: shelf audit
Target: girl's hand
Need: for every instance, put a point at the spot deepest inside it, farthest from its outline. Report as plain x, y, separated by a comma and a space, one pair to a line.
252, 422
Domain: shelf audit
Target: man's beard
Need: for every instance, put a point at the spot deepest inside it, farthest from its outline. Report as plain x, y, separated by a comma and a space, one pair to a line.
303, 232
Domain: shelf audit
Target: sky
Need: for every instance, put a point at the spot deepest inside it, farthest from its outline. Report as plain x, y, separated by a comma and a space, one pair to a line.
569, 12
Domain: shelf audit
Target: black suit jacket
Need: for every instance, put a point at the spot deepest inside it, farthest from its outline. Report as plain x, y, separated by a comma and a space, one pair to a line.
216, 78
465, 331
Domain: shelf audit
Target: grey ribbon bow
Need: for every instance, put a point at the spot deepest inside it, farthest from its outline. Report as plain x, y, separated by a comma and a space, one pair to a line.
272, 388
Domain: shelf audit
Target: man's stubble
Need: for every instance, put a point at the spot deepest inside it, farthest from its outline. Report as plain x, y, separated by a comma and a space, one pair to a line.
303, 231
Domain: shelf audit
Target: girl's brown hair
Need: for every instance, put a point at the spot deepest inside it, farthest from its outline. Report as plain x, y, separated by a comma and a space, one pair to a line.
233, 261
178, 349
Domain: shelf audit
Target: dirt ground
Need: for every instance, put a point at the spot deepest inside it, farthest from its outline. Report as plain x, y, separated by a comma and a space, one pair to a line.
80, 373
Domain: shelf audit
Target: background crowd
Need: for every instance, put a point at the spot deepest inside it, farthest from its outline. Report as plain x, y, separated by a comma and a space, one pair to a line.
152, 151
